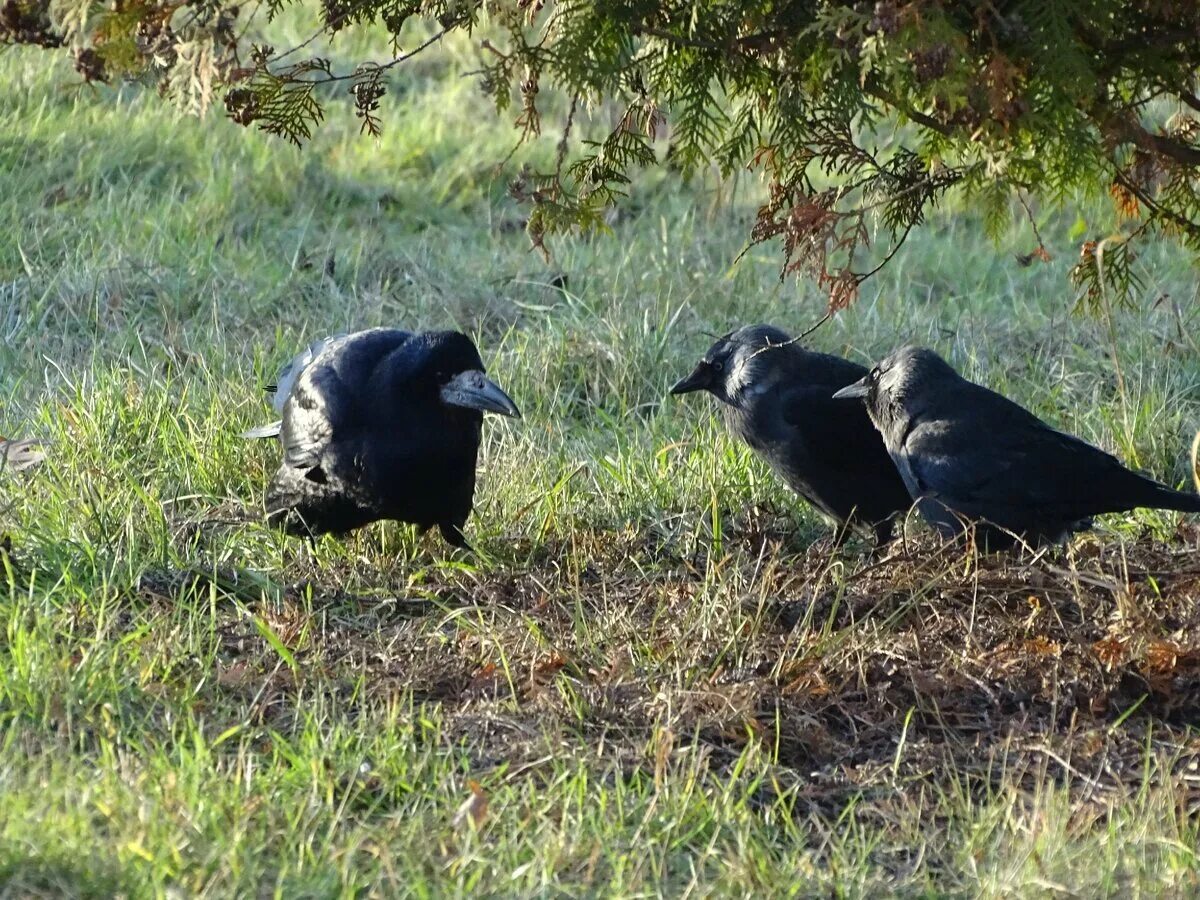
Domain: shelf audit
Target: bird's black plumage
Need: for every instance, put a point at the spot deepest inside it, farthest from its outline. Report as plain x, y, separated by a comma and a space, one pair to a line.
281, 389
967, 453
384, 424
778, 397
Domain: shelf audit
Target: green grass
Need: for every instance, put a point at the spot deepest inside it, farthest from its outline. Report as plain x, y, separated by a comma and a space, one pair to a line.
656, 673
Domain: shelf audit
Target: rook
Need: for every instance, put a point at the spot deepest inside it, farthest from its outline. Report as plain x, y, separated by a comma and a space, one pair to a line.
384, 424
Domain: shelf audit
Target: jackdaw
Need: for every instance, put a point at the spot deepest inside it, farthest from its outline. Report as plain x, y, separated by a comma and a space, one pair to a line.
778, 397
968, 454
384, 424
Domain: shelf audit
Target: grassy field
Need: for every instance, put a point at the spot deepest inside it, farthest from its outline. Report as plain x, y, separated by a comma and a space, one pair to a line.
655, 675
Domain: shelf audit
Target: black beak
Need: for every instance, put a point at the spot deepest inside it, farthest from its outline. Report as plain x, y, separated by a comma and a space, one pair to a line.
858, 389
473, 390
700, 379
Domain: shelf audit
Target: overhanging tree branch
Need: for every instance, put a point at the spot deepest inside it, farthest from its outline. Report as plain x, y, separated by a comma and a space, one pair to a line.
1051, 99
1134, 133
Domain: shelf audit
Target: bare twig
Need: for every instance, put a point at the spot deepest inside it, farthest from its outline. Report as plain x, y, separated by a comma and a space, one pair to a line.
404, 57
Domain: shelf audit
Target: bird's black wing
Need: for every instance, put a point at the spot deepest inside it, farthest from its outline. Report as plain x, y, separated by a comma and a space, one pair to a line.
286, 379
836, 431
332, 395
837, 458
281, 389
990, 458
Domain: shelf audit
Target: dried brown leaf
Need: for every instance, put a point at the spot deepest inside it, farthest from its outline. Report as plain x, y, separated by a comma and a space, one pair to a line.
473, 811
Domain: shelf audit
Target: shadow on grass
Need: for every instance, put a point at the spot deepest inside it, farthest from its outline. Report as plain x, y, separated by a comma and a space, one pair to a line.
43, 872
856, 679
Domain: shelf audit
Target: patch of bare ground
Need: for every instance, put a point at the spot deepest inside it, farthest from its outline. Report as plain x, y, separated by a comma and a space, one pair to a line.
880, 679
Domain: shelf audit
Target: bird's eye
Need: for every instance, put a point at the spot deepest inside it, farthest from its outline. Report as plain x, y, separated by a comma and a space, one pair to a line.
874, 375
718, 366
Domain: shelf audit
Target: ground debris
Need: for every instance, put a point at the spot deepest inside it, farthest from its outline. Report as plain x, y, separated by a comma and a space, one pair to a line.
857, 674
861, 677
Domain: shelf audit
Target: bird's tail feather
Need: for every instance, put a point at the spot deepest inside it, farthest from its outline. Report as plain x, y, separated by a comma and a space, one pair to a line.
21, 455
1166, 498
303, 507
291, 511
264, 431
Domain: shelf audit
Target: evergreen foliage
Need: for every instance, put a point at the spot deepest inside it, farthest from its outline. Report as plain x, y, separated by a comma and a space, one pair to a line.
858, 115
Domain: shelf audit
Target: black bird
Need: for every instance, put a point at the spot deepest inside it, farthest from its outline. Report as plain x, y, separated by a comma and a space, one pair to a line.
778, 397
968, 454
384, 424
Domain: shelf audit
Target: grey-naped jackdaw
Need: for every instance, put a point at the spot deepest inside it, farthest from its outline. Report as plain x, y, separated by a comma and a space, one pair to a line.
778, 397
967, 454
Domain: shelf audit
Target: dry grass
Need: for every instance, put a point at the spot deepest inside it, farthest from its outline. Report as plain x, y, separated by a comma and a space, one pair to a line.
867, 685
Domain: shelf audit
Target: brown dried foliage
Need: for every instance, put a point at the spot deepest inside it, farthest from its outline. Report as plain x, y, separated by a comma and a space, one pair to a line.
994, 670
27, 23
818, 239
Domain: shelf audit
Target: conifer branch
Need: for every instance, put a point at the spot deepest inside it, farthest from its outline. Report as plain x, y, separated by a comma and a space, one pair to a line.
1055, 96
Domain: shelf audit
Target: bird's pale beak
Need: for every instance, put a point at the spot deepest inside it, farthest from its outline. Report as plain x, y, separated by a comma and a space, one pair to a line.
858, 389
700, 379
473, 390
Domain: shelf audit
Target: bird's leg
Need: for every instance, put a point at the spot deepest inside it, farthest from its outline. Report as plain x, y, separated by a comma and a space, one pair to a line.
884, 535
360, 543
307, 555
453, 536
421, 548
840, 533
